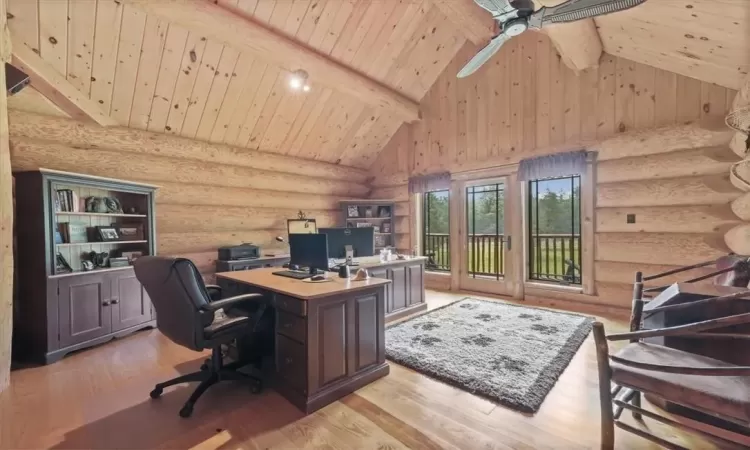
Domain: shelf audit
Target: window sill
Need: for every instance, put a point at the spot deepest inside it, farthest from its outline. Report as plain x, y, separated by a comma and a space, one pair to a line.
554, 287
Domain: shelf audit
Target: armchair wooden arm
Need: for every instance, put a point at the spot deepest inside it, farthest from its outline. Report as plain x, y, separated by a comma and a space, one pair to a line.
692, 304
737, 319
738, 371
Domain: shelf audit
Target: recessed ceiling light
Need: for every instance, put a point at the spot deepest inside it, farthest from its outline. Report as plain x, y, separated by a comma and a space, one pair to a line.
298, 81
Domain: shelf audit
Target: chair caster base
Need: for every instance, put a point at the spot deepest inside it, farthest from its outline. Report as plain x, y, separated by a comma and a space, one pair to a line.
186, 410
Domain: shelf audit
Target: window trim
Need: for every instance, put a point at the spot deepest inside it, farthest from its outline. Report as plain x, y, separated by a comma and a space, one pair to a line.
420, 223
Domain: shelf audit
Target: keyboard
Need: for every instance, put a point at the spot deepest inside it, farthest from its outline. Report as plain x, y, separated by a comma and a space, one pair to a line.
293, 274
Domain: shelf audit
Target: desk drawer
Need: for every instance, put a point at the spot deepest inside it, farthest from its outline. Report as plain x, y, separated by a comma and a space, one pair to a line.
291, 362
291, 326
290, 304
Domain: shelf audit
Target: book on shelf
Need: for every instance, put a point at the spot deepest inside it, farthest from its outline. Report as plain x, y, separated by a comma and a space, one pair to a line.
73, 232
67, 201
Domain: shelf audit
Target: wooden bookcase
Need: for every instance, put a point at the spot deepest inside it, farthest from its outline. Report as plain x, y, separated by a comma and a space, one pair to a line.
62, 309
375, 213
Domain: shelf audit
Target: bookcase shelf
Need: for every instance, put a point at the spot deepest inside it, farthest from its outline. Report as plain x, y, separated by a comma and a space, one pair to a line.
381, 216
74, 244
90, 214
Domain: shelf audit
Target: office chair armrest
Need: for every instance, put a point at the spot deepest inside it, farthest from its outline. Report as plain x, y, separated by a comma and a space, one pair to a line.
231, 301
214, 286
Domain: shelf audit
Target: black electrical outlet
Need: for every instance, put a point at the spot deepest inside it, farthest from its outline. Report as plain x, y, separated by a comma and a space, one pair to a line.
631, 218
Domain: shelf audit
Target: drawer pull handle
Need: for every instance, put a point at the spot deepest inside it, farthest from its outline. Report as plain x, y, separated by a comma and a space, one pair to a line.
115, 301
105, 303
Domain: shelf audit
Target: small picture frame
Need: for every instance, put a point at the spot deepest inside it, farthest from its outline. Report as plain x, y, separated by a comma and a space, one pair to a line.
352, 211
129, 232
107, 234
368, 212
386, 227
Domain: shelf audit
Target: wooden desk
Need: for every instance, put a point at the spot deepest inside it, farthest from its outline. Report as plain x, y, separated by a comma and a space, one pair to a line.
405, 295
330, 337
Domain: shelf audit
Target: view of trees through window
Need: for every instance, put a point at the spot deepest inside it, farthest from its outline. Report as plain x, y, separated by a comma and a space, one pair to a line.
554, 225
436, 237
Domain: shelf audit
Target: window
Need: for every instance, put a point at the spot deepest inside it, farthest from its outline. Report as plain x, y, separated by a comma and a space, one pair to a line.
485, 225
554, 230
436, 232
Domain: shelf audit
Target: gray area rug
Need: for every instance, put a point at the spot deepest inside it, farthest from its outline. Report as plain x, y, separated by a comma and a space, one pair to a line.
510, 354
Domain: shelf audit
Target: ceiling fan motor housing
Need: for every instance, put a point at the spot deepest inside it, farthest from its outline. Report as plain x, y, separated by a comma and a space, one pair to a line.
515, 27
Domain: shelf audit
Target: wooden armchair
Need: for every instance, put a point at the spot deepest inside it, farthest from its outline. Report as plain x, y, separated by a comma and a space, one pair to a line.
717, 388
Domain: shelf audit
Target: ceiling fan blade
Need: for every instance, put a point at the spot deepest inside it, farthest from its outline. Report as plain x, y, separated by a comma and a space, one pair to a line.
483, 56
495, 7
574, 10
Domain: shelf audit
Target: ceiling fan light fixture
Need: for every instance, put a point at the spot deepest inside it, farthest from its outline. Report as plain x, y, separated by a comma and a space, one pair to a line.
298, 81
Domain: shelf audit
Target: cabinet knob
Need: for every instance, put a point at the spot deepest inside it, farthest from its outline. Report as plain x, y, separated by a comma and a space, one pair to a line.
115, 301
105, 303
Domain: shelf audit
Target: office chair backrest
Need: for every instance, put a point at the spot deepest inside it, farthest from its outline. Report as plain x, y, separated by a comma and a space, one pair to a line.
177, 292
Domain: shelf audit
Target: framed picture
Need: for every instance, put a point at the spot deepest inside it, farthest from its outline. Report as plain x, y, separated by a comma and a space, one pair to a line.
386, 227
107, 234
301, 226
129, 232
352, 211
368, 212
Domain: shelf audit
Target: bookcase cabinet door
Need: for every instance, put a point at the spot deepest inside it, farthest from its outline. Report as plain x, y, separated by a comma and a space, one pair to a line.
131, 305
84, 308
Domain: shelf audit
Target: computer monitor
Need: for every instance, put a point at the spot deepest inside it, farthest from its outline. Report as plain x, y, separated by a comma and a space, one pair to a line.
362, 241
309, 250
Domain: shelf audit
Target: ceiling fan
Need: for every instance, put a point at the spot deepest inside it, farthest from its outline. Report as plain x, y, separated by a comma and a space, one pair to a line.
516, 16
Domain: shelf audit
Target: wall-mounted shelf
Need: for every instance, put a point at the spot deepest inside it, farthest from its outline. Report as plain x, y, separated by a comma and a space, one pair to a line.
97, 242
90, 214
381, 215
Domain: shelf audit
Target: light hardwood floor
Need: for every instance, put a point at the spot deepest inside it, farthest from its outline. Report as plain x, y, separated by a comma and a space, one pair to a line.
99, 399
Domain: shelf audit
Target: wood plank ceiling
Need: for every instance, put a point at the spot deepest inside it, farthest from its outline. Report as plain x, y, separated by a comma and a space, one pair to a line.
152, 75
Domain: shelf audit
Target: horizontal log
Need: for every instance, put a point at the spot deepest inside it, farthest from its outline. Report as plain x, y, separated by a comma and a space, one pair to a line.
394, 193
205, 218
389, 180
403, 243
703, 190
741, 207
621, 272
84, 135
679, 249
738, 239
204, 261
617, 295
681, 163
667, 219
198, 242
183, 194
711, 132
31, 155
401, 224
402, 208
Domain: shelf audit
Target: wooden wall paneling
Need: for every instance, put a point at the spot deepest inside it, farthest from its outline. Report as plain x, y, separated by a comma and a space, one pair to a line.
344, 11
174, 193
263, 9
267, 112
310, 20
516, 95
397, 41
23, 21
295, 16
280, 13
359, 141
53, 33
377, 21
231, 101
667, 219
227, 68
379, 33
621, 272
152, 51
713, 100
192, 58
589, 91
251, 88
606, 97
345, 149
353, 33
572, 106
81, 26
191, 218
673, 248
6, 214
28, 127
106, 42
30, 156
304, 124
557, 72
173, 243
283, 119
688, 99
328, 12
543, 91
625, 96
400, 74
695, 190
207, 74
645, 96
269, 86
345, 117
665, 89
528, 55
128, 57
680, 163
379, 131
174, 46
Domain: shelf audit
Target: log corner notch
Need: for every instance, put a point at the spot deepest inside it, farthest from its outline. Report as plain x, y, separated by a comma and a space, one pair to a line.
6, 213
578, 43
737, 238
244, 33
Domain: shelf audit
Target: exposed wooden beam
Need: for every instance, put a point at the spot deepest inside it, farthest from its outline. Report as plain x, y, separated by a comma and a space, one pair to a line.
247, 34
6, 212
53, 85
31, 100
473, 21
578, 43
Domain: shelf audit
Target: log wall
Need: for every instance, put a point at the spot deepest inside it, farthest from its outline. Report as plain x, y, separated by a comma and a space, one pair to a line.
209, 195
662, 149
6, 214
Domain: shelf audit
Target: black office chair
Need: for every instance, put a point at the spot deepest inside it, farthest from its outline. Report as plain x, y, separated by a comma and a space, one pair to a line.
185, 313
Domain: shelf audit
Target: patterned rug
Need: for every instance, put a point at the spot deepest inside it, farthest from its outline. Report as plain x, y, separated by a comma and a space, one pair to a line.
510, 354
